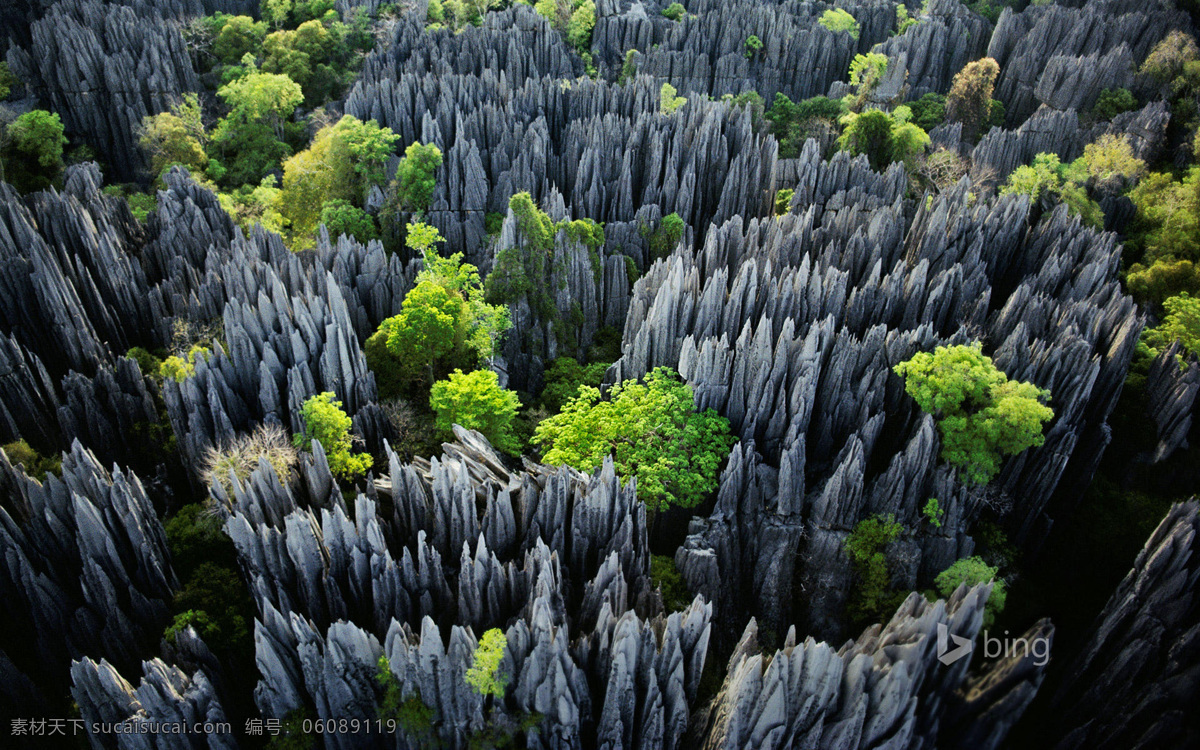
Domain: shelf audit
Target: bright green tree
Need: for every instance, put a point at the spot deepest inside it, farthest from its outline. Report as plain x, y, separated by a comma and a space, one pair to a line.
416, 176
175, 137
973, 571
32, 158
444, 322
241, 35
579, 28
981, 414
421, 237
668, 102
651, 431
1112, 102
343, 163
476, 401
1047, 178
564, 377
674, 11
326, 422
484, 675
1167, 227
665, 237
752, 46
836, 19
342, 217
1182, 323
883, 138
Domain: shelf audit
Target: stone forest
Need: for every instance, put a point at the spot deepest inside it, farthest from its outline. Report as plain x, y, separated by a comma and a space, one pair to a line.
602, 374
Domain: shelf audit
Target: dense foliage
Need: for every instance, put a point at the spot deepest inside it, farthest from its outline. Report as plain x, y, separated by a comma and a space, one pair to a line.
981, 414
325, 422
476, 401
650, 430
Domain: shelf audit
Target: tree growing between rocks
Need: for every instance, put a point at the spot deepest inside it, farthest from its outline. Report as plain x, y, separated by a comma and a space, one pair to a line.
982, 416
476, 401
326, 422
970, 99
972, 571
32, 158
652, 432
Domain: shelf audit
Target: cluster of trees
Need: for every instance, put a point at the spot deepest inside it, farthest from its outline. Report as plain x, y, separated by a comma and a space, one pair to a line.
575, 19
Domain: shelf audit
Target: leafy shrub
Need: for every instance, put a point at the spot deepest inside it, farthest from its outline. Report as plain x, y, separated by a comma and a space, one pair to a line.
933, 512
783, 201
872, 597
146, 362
972, 571
476, 401
752, 46
665, 576
416, 176
1111, 158
668, 102
8, 81
342, 217
179, 368
836, 19
982, 416
414, 718
674, 11
564, 378
1112, 102
36, 465
929, 111
651, 432
1044, 179
33, 156
484, 675
1182, 323
663, 239
325, 422
883, 138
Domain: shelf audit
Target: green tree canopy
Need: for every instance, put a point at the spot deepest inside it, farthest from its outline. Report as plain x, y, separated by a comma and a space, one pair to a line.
668, 102
416, 176
1047, 179
476, 401
342, 217
651, 431
32, 158
175, 137
239, 36
872, 597
883, 138
981, 414
973, 571
444, 323
837, 19
344, 161
328, 424
1182, 323
674, 11
484, 675
565, 375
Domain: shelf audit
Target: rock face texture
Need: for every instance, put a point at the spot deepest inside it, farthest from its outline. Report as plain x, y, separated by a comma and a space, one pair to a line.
1135, 682
790, 329
789, 326
886, 688
103, 68
166, 694
86, 568
1065, 57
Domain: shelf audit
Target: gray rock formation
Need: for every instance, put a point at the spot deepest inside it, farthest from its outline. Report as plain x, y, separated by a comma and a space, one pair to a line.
103, 68
86, 568
1135, 682
166, 695
790, 328
885, 689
